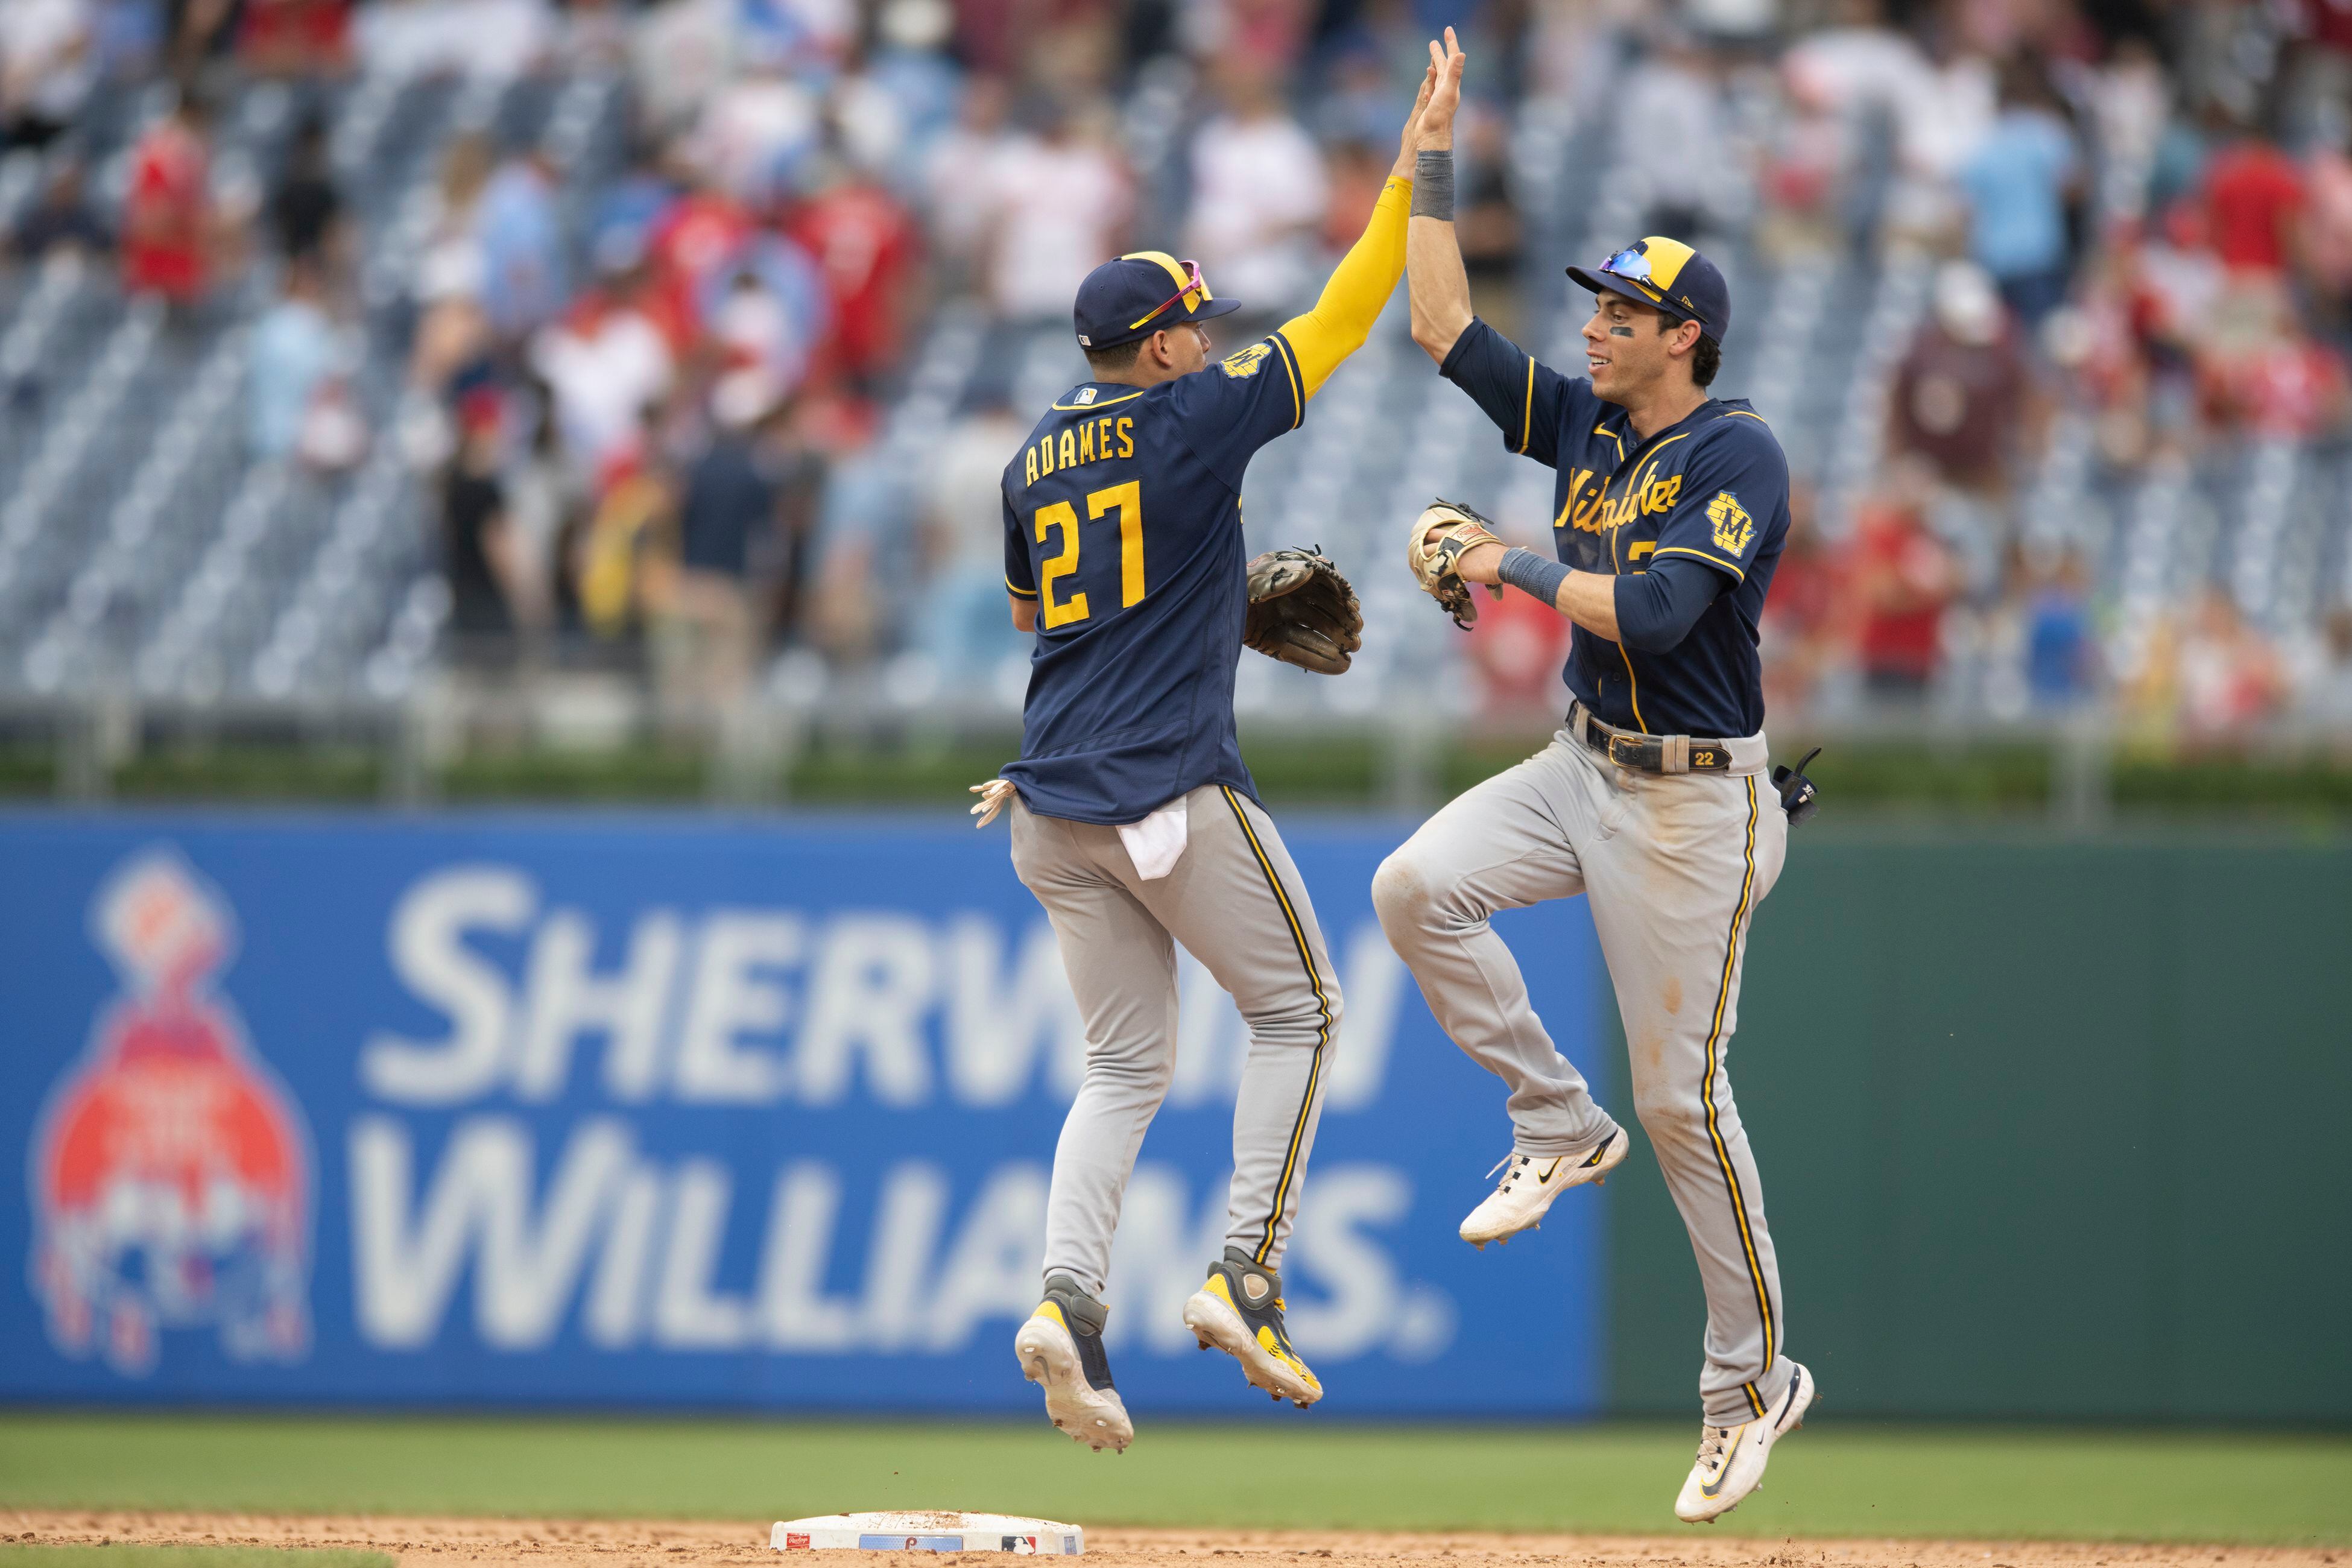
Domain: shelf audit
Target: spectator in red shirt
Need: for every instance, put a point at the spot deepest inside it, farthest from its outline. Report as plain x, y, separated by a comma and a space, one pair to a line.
295, 37
866, 245
1800, 628
167, 218
1962, 395
2253, 194
1903, 576
699, 235
1517, 646
2229, 676
2264, 374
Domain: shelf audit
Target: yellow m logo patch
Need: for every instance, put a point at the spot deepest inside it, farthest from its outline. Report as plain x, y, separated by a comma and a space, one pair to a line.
1733, 527
1246, 362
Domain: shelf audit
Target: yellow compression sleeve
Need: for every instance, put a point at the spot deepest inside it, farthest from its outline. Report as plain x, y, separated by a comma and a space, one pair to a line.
1359, 288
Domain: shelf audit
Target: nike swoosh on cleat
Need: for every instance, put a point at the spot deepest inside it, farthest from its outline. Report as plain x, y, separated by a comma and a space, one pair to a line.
1596, 1153
1547, 1173
1730, 1448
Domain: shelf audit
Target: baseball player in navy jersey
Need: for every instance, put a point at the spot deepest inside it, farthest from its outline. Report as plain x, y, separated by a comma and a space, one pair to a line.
1670, 511
1134, 821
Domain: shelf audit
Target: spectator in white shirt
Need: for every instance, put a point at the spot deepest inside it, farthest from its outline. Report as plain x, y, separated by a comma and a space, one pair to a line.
1058, 204
605, 363
49, 62
959, 171
496, 38
756, 128
1684, 162
1258, 193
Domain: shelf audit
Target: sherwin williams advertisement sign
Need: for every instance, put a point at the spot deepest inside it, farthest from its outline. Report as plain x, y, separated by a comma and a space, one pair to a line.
647, 1111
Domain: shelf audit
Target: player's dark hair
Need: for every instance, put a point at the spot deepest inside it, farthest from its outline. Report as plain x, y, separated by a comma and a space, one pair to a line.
1705, 359
1117, 357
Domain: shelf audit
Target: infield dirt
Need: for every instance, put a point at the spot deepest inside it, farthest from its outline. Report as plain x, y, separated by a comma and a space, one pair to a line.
543, 1544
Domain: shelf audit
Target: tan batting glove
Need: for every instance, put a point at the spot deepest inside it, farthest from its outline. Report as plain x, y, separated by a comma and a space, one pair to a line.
993, 796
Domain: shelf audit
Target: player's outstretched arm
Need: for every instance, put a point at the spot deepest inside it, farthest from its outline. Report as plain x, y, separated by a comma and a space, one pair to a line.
1361, 285
1527, 401
1439, 285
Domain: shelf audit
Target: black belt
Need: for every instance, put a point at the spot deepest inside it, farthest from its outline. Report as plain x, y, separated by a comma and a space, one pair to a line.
1651, 753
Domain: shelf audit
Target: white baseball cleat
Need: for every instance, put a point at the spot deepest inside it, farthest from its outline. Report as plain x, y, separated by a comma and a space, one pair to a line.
1731, 1459
1060, 1349
1531, 1184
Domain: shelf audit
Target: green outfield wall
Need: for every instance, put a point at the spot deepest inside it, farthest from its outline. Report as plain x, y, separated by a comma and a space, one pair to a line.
2050, 1127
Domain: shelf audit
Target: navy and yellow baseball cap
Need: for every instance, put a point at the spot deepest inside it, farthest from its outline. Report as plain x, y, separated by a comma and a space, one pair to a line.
1129, 299
1669, 276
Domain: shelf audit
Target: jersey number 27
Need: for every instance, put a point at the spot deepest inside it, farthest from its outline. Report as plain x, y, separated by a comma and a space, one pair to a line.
1129, 499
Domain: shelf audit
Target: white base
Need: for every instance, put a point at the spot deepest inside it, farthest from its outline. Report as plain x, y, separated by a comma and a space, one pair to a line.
917, 1530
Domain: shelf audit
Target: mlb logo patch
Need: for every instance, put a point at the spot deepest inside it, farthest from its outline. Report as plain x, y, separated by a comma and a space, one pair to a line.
1086, 395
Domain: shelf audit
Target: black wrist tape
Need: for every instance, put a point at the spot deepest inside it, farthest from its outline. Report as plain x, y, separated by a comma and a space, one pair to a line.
1433, 185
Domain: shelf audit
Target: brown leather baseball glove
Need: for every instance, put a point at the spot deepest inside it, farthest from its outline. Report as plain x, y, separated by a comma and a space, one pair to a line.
1440, 534
1302, 611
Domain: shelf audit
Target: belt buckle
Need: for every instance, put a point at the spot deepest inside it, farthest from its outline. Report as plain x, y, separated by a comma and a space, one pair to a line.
1632, 741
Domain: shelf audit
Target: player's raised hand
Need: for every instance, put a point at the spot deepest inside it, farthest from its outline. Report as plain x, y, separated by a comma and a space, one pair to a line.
1410, 142
1444, 78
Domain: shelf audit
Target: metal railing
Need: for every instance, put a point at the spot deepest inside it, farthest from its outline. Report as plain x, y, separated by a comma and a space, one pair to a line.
745, 753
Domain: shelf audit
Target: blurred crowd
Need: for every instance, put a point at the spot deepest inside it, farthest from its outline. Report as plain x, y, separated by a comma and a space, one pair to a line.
651, 405
2137, 222
2145, 222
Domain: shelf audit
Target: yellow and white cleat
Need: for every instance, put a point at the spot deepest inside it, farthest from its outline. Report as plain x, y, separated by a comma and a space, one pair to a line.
1533, 1181
1061, 1350
1239, 1312
1731, 1459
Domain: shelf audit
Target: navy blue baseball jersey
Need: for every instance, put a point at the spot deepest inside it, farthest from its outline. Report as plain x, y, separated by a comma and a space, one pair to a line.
1122, 518
1714, 486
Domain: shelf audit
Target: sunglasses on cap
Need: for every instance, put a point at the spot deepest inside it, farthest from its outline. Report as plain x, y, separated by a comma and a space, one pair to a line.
1631, 266
1635, 268
1193, 284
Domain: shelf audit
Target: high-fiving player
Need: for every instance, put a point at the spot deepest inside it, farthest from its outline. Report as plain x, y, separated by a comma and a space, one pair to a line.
1671, 509
1134, 822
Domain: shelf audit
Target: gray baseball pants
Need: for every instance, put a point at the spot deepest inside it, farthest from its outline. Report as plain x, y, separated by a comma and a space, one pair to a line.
1674, 865
1235, 902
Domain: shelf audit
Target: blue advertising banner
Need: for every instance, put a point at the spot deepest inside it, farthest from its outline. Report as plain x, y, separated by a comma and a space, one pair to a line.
485, 1111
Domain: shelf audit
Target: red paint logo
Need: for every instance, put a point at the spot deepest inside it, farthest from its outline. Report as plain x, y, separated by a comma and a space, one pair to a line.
796, 1542
171, 1171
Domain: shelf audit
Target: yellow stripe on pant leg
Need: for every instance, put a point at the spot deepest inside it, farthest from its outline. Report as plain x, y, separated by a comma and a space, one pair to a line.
1706, 1093
1323, 1035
